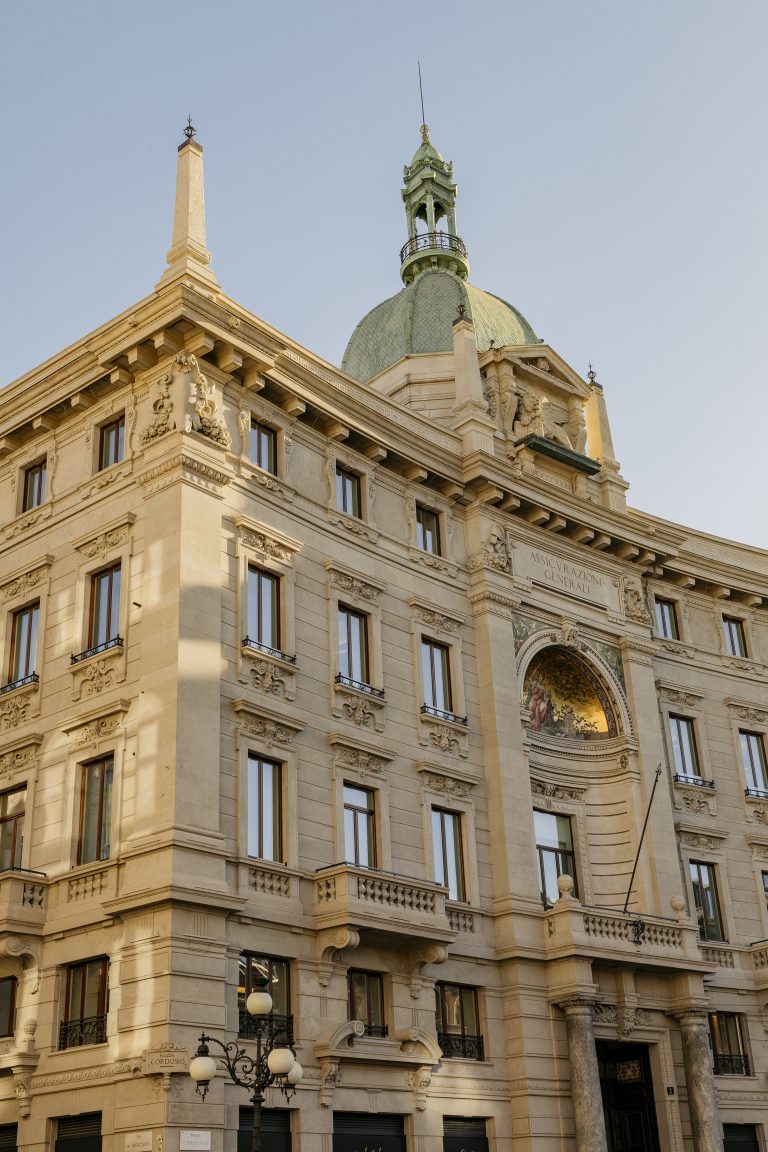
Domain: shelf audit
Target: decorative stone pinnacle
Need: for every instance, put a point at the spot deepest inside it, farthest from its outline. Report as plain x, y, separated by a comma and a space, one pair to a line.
424, 134
190, 131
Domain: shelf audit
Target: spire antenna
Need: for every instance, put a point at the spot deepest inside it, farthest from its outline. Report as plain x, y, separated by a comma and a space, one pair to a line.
424, 129
190, 131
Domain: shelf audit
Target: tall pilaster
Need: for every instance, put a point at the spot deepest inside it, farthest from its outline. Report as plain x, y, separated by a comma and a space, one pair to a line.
700, 1080
585, 1077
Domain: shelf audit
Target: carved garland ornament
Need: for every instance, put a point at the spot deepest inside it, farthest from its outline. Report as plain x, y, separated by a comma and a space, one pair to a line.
262, 542
99, 546
354, 587
447, 786
22, 585
437, 621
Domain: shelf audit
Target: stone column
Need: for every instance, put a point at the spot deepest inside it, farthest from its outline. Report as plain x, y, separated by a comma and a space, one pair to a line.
585, 1077
700, 1080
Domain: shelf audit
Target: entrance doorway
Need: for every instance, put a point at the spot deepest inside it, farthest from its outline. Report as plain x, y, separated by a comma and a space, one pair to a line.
627, 1088
740, 1138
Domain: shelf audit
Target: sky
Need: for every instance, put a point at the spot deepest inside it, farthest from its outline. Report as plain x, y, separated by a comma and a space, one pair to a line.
612, 163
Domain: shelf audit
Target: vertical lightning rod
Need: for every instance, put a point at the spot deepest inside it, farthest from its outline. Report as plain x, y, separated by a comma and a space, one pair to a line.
642, 837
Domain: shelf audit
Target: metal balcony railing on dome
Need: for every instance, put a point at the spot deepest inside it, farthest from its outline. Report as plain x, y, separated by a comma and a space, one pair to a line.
427, 241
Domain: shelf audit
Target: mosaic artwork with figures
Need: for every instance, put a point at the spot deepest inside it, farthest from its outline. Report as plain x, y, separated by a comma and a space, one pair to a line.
566, 699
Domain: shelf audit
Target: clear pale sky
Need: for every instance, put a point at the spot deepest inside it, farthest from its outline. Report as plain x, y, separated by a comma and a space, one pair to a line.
613, 185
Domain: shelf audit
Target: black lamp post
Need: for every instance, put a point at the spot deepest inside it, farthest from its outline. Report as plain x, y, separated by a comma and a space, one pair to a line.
274, 1062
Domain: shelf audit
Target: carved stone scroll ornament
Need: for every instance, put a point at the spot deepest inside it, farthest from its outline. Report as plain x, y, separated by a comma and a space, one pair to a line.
419, 1082
333, 941
29, 952
494, 552
417, 961
635, 607
330, 1080
204, 417
162, 412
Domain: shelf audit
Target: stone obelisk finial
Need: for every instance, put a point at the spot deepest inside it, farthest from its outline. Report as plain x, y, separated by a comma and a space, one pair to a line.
188, 256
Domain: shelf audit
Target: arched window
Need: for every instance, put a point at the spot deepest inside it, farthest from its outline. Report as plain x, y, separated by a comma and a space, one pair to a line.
566, 698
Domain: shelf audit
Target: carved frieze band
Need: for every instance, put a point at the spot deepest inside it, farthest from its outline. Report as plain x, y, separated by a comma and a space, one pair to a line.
19, 757
266, 541
745, 710
353, 586
99, 546
681, 697
267, 727
359, 758
26, 582
434, 618
555, 791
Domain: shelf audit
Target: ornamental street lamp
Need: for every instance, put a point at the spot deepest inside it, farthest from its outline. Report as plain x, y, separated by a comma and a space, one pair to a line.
274, 1062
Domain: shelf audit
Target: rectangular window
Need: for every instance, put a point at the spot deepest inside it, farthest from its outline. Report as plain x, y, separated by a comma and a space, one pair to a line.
359, 829
353, 645
95, 810
263, 448
366, 1001
554, 846
706, 900
12, 808
728, 1047
8, 1006
264, 815
734, 636
34, 486
448, 852
104, 624
666, 619
347, 492
436, 673
253, 969
85, 1004
683, 746
457, 1022
263, 608
111, 442
23, 643
427, 530
753, 759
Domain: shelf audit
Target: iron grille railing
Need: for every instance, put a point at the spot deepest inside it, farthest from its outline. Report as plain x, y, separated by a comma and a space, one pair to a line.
75, 1033
696, 781
115, 642
379, 1030
758, 793
461, 1047
445, 241
359, 686
731, 1065
441, 714
33, 678
257, 646
252, 1027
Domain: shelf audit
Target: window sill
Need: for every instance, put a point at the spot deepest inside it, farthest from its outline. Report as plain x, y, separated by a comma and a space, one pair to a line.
269, 481
271, 671
360, 704
31, 681
115, 644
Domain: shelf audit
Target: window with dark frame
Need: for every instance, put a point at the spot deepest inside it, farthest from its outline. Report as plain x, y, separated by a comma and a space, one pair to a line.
753, 758
104, 621
95, 810
111, 443
348, 492
666, 619
706, 900
8, 1006
252, 969
359, 826
33, 492
85, 1004
448, 852
264, 809
734, 636
263, 608
436, 674
366, 1001
263, 447
554, 847
457, 1022
684, 753
353, 645
729, 1051
24, 629
428, 530
12, 810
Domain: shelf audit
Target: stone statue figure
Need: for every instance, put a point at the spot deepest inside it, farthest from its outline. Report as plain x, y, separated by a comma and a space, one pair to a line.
577, 428
528, 419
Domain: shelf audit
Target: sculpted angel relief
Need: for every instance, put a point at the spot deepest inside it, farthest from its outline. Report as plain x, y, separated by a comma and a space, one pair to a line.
564, 700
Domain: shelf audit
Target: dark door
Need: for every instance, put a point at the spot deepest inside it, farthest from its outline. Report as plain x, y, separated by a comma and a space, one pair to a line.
275, 1129
8, 1137
740, 1138
627, 1088
464, 1134
359, 1132
79, 1133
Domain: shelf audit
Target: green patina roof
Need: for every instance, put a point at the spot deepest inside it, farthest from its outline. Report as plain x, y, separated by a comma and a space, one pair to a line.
420, 318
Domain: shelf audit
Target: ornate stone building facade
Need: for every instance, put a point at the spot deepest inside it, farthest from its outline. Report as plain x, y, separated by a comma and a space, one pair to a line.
367, 679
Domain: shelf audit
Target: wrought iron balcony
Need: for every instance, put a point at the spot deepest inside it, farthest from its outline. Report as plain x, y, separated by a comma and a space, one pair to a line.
757, 793
695, 781
75, 1033
442, 714
428, 241
378, 1030
731, 1065
32, 678
115, 642
257, 646
461, 1047
251, 1027
360, 686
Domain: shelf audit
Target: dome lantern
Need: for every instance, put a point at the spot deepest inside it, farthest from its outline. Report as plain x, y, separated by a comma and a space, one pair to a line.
429, 194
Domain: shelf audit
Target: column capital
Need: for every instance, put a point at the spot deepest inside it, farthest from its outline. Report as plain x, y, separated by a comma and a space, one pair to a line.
576, 1006
693, 1014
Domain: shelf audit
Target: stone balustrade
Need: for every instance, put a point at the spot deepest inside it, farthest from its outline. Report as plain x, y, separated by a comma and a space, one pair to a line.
368, 898
573, 928
23, 900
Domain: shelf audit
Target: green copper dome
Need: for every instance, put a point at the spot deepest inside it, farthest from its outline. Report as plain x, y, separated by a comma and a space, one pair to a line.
420, 318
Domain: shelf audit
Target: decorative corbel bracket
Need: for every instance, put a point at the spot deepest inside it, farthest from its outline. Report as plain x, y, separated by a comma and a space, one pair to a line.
333, 941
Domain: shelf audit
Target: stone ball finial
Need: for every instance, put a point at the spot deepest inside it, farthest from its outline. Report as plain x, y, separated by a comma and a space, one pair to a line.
677, 904
565, 886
